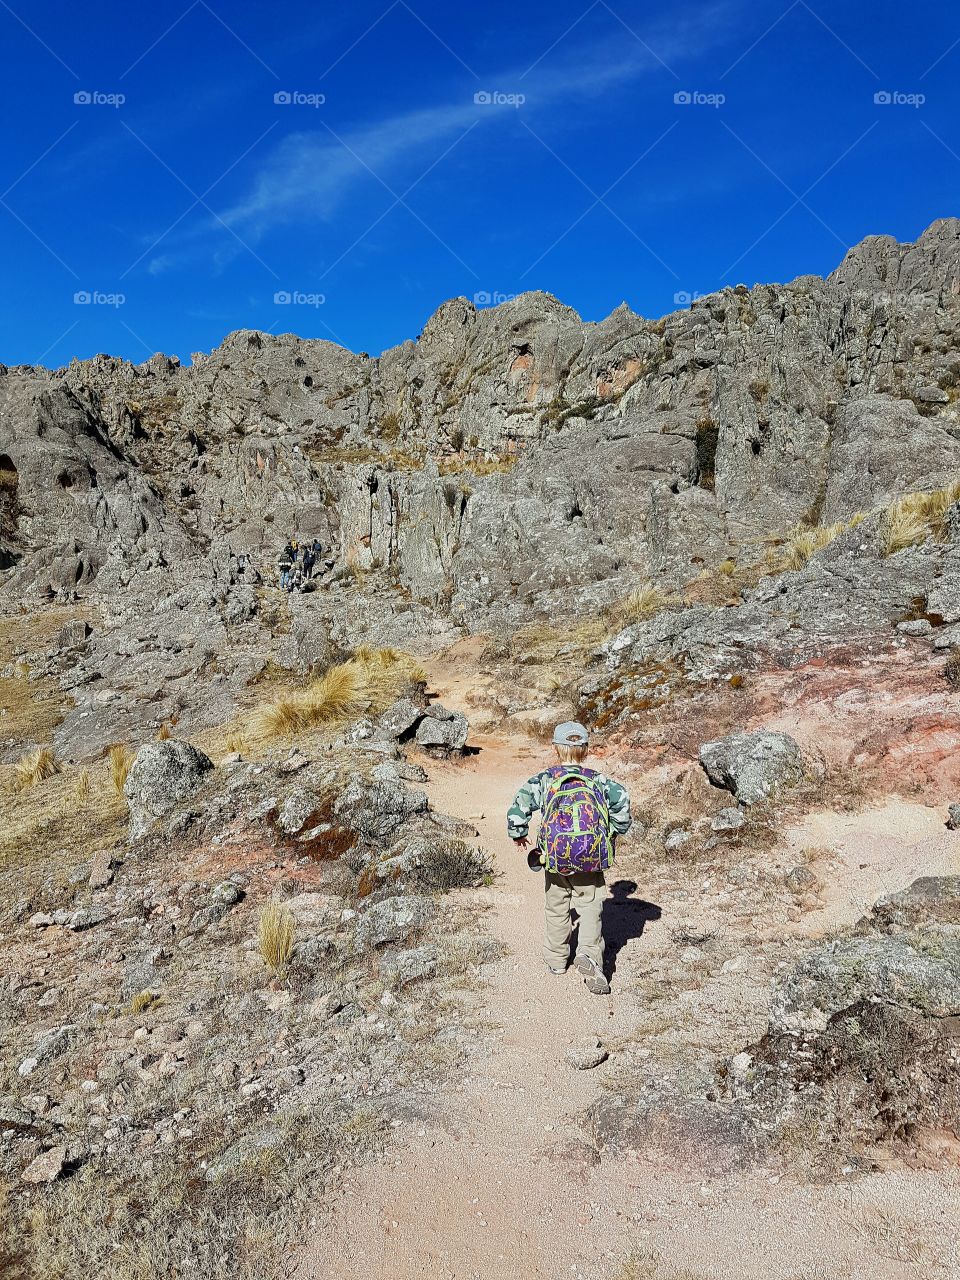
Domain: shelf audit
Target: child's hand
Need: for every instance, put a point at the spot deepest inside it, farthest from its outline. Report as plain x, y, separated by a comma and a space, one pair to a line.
521, 842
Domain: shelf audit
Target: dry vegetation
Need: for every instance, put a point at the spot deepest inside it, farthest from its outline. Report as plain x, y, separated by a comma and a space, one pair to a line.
119, 758
918, 517
478, 464
368, 682
34, 767
275, 936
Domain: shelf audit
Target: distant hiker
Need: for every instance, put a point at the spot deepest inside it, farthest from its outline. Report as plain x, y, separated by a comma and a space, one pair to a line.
581, 814
285, 564
309, 559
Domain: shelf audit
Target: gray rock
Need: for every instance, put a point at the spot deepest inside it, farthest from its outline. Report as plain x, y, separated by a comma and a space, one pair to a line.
50, 1045
14, 1117
837, 975
393, 920
729, 819
47, 1166
375, 809
411, 966
73, 634
754, 766
931, 898
953, 821
82, 917
400, 718
587, 1054
101, 870
447, 732
162, 776
296, 811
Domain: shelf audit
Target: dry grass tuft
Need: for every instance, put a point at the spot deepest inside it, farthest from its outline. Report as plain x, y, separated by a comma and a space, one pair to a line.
803, 544
142, 1000
478, 466
120, 757
371, 680
164, 733
647, 1265
34, 767
642, 603
275, 936
82, 791
917, 517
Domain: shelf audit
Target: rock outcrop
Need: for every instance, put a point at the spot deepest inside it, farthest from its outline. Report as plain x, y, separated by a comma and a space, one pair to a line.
754, 766
162, 776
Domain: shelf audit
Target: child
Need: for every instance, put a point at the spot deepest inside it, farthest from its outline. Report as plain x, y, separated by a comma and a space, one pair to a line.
582, 812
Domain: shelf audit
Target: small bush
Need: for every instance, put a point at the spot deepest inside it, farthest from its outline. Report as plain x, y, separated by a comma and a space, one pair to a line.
275, 936
35, 766
120, 757
452, 864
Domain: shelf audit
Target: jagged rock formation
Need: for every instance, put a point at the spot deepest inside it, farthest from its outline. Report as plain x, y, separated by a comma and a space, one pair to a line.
506, 463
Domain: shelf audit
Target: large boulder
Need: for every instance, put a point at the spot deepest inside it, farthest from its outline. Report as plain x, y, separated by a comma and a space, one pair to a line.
375, 808
162, 776
393, 920
863, 1044
754, 766
931, 899
443, 730
839, 975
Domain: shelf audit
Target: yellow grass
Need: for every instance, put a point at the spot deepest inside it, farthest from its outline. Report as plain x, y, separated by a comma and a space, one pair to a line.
802, 544
370, 681
917, 517
164, 732
478, 466
120, 757
35, 766
141, 1001
642, 603
81, 792
275, 937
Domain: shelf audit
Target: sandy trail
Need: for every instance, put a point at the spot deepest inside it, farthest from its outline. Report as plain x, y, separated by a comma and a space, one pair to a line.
506, 1182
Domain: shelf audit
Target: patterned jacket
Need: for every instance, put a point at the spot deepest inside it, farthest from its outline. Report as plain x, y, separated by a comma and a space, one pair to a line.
530, 798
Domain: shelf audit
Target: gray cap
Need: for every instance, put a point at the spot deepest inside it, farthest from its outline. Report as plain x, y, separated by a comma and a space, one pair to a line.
570, 734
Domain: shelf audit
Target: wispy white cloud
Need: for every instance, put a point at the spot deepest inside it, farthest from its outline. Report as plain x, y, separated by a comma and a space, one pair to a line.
311, 174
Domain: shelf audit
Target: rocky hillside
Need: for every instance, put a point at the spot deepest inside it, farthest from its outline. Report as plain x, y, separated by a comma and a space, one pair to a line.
258, 911
506, 462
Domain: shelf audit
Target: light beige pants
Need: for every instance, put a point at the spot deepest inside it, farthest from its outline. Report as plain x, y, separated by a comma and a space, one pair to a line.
584, 894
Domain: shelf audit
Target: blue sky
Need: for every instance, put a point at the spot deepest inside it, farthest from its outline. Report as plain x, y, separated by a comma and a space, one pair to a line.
196, 166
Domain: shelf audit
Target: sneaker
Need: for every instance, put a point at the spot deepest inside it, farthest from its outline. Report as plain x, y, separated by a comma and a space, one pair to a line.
558, 972
593, 975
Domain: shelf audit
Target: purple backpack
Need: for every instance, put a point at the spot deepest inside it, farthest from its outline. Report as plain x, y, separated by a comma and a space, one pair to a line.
575, 833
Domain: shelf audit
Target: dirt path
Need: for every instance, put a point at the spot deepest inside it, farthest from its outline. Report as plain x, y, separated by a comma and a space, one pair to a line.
506, 1184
